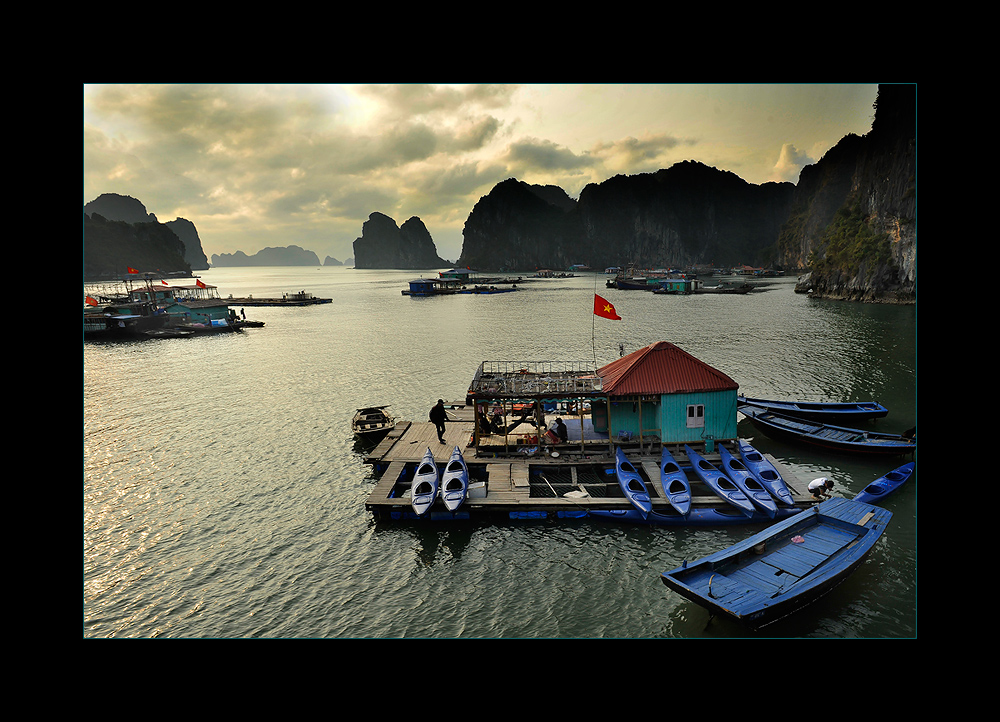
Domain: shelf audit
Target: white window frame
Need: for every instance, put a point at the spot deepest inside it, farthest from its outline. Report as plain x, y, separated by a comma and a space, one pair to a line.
696, 416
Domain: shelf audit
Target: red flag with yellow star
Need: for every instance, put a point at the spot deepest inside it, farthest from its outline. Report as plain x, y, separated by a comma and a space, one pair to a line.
604, 309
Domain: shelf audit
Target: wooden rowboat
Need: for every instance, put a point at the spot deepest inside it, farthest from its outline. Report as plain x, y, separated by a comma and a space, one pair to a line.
424, 490
631, 483
675, 483
718, 482
885, 485
765, 472
785, 567
818, 411
455, 481
372, 423
748, 483
835, 438
697, 517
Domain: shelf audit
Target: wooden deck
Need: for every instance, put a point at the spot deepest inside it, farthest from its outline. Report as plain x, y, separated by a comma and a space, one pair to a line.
576, 480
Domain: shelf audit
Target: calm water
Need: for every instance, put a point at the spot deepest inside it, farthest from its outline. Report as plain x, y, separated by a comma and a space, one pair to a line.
223, 497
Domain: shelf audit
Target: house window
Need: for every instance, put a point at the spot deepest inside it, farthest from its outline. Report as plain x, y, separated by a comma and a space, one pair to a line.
696, 416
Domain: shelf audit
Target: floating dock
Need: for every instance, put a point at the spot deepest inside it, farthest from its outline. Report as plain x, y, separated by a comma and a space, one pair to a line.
288, 299
537, 484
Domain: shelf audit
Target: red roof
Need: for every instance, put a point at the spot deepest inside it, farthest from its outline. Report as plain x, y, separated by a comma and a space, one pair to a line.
661, 368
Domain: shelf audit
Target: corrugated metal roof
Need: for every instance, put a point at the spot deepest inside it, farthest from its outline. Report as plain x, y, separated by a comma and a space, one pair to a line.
661, 368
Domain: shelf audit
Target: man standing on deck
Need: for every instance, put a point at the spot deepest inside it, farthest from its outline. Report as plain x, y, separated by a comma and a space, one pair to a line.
437, 417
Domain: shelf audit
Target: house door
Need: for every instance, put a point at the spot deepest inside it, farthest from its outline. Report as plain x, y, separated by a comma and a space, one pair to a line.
696, 416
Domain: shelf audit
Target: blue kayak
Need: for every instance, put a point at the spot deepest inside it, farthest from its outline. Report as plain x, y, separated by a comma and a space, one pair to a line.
424, 490
718, 482
631, 483
885, 485
766, 473
455, 481
747, 482
675, 483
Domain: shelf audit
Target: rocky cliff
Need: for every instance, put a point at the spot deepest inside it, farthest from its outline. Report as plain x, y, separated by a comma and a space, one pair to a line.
125, 209
111, 247
853, 222
687, 214
383, 244
283, 256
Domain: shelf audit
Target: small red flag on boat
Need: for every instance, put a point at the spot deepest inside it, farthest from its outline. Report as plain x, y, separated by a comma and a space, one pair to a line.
131, 270
604, 309
91, 301
199, 284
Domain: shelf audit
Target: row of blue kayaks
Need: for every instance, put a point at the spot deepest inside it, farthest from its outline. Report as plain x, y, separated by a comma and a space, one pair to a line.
749, 483
451, 485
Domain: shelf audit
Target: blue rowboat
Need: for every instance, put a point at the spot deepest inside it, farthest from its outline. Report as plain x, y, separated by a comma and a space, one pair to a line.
819, 411
424, 490
748, 483
885, 485
765, 472
790, 564
835, 438
675, 483
454, 481
632, 483
718, 482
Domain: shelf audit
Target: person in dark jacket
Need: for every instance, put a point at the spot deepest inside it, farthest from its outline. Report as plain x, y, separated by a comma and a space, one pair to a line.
437, 416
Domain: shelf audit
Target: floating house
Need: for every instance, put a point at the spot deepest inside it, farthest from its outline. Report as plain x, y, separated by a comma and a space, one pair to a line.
658, 394
662, 393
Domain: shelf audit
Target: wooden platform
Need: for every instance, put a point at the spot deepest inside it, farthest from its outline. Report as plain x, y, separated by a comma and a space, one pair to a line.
518, 483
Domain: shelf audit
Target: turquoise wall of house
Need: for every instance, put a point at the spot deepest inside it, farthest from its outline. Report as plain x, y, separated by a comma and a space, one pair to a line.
666, 417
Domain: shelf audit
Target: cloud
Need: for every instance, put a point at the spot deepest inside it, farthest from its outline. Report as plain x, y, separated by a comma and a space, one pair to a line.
790, 163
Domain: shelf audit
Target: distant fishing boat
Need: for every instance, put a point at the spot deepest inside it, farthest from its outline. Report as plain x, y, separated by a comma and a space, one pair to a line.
790, 564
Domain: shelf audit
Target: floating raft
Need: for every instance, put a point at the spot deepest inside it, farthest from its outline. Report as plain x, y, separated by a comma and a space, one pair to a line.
518, 486
289, 299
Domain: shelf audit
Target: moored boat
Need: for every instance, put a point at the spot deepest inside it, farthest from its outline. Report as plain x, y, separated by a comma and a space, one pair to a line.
455, 481
827, 436
790, 564
697, 517
675, 483
424, 489
631, 483
372, 423
748, 483
819, 410
718, 482
885, 485
765, 472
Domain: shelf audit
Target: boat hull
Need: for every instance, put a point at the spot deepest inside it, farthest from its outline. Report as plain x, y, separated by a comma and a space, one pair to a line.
875, 492
787, 566
826, 436
718, 482
696, 517
455, 481
632, 484
819, 411
675, 483
424, 490
766, 474
747, 482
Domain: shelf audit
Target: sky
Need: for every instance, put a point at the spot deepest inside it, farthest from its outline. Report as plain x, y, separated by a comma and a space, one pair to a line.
257, 166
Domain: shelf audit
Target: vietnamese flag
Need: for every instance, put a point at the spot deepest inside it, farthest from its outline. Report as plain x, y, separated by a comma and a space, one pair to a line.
604, 309
199, 284
91, 301
131, 270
